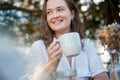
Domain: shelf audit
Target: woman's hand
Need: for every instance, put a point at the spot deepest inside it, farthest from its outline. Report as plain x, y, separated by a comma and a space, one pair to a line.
54, 55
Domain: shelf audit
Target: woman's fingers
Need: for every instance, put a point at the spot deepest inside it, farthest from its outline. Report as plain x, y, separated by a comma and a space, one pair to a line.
50, 48
53, 53
57, 53
51, 45
54, 50
59, 56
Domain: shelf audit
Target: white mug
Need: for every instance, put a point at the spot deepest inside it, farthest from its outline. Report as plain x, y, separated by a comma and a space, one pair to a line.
70, 44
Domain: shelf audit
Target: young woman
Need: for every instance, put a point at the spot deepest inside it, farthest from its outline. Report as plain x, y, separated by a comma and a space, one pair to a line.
60, 17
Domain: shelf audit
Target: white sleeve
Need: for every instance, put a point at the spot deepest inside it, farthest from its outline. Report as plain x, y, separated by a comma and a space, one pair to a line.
95, 62
37, 60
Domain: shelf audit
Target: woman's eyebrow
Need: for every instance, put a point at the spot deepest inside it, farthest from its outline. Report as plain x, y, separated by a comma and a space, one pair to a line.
60, 7
56, 7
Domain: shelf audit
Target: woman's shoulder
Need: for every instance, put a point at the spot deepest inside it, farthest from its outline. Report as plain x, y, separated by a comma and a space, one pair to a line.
38, 44
88, 44
37, 47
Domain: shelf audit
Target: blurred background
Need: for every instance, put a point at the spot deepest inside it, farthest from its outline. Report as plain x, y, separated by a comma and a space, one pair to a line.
20, 22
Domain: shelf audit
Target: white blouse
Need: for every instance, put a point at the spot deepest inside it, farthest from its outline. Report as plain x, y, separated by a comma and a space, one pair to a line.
86, 64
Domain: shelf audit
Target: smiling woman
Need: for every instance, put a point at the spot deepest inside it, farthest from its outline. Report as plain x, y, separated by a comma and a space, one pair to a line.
60, 17
66, 13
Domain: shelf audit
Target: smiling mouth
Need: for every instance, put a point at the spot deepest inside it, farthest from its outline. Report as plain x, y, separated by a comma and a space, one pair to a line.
57, 21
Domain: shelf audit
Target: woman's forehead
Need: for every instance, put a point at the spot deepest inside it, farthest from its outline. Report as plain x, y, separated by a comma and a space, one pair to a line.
55, 3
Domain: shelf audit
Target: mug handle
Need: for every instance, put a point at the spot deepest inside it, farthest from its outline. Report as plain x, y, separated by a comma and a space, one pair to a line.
57, 40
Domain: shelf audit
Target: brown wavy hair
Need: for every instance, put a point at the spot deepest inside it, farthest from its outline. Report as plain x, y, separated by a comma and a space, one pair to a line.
47, 34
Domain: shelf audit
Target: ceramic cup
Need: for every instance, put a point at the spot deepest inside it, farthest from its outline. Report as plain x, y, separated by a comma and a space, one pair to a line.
70, 44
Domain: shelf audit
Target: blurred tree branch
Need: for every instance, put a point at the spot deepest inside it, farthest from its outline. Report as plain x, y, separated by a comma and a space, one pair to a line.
5, 6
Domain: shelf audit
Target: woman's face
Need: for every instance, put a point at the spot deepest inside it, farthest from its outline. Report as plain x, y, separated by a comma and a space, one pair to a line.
59, 16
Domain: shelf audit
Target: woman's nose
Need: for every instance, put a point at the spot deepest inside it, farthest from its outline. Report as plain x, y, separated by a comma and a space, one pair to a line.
55, 15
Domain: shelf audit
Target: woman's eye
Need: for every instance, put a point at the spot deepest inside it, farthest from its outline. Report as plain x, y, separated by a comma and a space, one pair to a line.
60, 10
49, 12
